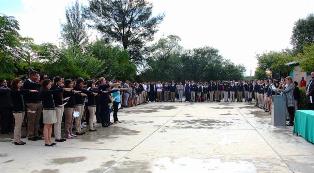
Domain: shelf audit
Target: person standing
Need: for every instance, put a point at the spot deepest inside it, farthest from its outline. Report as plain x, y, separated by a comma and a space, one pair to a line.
232, 92
303, 83
18, 108
288, 92
5, 107
211, 91
79, 105
172, 92
92, 92
187, 89
58, 100
180, 89
240, 90
159, 92
226, 91
296, 95
49, 110
115, 94
104, 101
205, 91
69, 93
33, 105
193, 91
310, 92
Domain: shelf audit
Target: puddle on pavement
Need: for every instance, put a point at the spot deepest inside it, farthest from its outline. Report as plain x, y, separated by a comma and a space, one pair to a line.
188, 165
132, 122
46, 171
67, 160
8, 161
132, 166
150, 109
201, 123
225, 107
103, 167
108, 133
3, 155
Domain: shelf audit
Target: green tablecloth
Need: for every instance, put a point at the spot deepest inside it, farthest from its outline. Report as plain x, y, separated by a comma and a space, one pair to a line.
304, 124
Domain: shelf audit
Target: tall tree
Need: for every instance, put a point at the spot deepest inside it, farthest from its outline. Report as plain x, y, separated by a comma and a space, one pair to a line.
9, 36
303, 33
129, 22
74, 30
306, 58
9, 45
274, 61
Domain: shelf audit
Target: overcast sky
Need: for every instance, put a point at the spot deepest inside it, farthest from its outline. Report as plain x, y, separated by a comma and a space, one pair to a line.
239, 29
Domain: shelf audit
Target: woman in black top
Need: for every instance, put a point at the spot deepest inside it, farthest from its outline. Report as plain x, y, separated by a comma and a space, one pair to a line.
49, 110
91, 103
18, 108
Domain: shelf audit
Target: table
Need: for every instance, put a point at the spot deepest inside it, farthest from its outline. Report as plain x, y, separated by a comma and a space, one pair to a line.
304, 124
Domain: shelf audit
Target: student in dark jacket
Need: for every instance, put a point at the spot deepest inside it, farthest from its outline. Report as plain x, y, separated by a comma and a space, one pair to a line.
173, 92
92, 93
5, 107
33, 105
104, 100
69, 94
49, 110
58, 99
187, 91
18, 108
296, 95
79, 105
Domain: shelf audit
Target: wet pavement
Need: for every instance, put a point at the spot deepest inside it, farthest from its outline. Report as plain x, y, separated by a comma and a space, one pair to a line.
170, 138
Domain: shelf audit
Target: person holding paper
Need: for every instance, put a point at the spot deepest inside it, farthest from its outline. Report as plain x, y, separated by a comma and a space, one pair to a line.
288, 92
310, 91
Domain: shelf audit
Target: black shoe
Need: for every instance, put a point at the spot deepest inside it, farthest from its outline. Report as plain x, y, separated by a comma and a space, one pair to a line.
92, 130
80, 133
116, 122
290, 124
49, 145
19, 143
38, 138
53, 144
32, 139
60, 140
105, 125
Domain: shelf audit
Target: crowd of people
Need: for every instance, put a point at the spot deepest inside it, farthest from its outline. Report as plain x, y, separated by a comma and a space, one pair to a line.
47, 102
43, 104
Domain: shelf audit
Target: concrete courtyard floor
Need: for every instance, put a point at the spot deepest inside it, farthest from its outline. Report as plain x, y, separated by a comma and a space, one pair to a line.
170, 138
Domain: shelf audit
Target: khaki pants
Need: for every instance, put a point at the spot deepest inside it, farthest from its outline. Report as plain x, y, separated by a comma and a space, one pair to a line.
18, 118
240, 96
92, 116
211, 96
78, 120
232, 98
180, 92
193, 96
173, 96
159, 94
57, 126
34, 111
205, 97
226, 96
217, 95
68, 112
